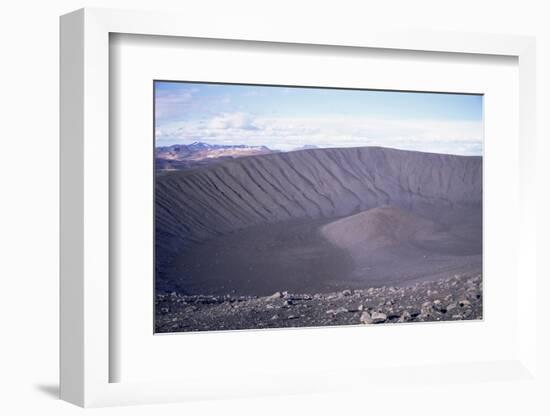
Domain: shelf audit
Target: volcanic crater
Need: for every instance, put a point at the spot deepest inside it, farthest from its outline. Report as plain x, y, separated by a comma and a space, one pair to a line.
318, 221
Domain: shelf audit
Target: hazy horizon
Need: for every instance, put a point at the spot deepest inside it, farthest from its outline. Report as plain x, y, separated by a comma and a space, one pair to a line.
289, 118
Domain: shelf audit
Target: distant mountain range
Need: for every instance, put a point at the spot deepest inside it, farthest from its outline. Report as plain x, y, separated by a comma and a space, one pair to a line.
307, 146
186, 156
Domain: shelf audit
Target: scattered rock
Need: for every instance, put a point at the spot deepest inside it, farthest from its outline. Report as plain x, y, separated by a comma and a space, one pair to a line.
405, 317
337, 311
451, 307
177, 312
392, 315
426, 309
414, 312
276, 295
300, 297
365, 318
378, 317
467, 313
439, 306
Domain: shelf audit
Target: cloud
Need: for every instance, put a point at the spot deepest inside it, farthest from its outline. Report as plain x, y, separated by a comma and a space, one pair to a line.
238, 121
287, 133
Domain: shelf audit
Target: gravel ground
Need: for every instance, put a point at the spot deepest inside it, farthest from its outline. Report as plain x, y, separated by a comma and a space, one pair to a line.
455, 298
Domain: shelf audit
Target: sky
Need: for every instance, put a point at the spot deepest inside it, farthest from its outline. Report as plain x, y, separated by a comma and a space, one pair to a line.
287, 118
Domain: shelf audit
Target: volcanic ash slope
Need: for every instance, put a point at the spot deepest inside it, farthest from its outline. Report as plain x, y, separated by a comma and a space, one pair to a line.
318, 220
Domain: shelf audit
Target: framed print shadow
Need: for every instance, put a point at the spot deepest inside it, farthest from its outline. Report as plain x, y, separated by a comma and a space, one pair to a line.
285, 206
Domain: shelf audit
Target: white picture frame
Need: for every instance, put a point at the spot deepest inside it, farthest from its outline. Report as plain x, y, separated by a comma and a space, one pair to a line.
85, 207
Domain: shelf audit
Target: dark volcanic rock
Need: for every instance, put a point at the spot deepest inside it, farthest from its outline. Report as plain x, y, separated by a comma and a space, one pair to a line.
378, 317
415, 303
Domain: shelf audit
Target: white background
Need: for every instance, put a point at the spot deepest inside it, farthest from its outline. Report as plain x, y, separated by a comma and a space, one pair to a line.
29, 209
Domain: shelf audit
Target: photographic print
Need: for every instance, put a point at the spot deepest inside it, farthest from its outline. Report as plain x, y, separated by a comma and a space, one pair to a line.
288, 206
